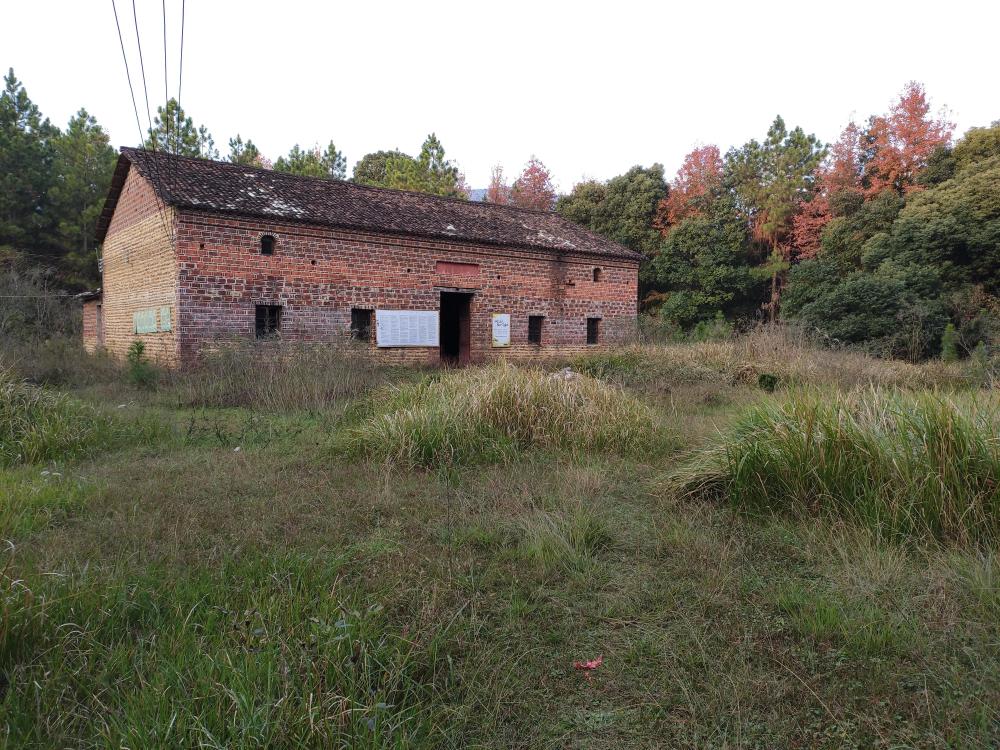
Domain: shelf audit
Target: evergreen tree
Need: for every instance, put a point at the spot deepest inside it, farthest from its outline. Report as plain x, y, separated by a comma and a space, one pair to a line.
770, 181
623, 209
949, 343
83, 166
329, 163
245, 153
371, 169
174, 132
583, 204
27, 153
430, 172
703, 268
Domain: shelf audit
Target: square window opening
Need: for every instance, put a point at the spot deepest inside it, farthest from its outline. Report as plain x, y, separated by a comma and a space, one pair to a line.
593, 330
535, 329
361, 324
267, 320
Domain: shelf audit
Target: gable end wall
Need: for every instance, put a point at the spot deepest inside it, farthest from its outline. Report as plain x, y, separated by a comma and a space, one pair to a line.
140, 271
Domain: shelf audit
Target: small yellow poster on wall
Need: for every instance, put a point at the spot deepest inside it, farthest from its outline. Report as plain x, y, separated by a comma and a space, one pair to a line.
501, 329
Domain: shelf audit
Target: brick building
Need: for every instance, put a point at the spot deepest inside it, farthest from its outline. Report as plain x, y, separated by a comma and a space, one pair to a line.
197, 250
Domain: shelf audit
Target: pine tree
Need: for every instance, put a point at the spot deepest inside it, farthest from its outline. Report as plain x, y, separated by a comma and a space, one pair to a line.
770, 181
174, 132
430, 172
84, 164
949, 343
27, 153
246, 153
328, 163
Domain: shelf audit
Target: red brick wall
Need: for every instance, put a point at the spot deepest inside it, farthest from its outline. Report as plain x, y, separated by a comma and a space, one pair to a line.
318, 274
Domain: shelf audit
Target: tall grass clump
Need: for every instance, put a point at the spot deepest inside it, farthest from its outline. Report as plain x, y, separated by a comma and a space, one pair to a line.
37, 425
59, 361
905, 465
279, 375
791, 356
494, 413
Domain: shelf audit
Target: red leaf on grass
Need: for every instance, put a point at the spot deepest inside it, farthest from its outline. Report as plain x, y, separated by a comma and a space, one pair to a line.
588, 665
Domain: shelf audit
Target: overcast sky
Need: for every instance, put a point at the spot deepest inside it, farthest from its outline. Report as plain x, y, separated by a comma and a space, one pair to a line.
591, 89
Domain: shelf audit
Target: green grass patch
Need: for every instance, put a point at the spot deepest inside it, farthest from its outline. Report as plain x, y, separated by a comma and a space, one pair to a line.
255, 652
38, 425
861, 628
33, 500
563, 541
623, 366
495, 414
904, 465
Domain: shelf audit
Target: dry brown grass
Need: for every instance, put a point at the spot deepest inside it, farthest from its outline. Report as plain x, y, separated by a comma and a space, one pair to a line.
767, 350
278, 375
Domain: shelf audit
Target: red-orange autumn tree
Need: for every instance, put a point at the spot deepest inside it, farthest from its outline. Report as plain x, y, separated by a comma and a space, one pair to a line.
533, 189
498, 190
902, 142
840, 172
698, 177
888, 155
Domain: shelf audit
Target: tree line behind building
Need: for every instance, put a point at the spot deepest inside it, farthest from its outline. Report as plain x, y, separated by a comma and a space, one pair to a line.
888, 239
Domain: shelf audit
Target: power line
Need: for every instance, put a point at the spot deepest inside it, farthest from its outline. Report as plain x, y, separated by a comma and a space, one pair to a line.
127, 74
157, 180
180, 76
142, 68
166, 85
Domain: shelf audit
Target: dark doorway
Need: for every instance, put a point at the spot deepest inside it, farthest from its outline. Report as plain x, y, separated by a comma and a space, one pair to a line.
456, 327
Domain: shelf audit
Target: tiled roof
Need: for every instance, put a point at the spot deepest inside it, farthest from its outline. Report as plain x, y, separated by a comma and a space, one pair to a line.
222, 187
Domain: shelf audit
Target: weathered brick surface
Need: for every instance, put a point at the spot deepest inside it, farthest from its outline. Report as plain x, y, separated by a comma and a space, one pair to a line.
140, 270
91, 325
213, 274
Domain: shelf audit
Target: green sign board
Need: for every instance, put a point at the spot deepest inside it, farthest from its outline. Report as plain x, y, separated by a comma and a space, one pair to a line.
144, 320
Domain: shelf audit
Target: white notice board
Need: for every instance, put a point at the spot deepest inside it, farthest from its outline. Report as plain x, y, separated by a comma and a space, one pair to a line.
406, 328
501, 329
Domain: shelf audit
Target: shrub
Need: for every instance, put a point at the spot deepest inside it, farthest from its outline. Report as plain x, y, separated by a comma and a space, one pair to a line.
492, 414
904, 465
949, 343
716, 329
140, 370
767, 382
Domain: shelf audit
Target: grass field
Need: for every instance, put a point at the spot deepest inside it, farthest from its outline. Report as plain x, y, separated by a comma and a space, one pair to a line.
414, 559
